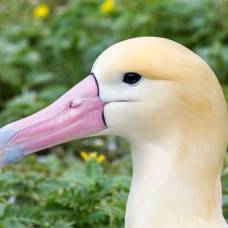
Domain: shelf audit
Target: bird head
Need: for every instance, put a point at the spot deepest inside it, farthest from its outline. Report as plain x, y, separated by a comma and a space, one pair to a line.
143, 88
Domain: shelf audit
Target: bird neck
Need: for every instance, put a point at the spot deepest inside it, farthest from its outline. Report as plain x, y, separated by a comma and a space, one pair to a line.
175, 184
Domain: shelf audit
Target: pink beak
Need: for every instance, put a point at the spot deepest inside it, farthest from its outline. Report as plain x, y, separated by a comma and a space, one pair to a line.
77, 114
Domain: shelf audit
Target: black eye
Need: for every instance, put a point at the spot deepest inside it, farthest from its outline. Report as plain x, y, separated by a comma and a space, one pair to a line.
131, 78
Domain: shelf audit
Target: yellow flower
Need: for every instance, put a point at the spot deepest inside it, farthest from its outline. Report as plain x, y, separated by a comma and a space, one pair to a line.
101, 158
107, 6
40, 11
93, 156
84, 155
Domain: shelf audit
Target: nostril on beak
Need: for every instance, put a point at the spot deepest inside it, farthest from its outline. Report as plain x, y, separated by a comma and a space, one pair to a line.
74, 103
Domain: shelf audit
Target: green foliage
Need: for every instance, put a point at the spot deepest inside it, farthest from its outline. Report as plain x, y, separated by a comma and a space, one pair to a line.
225, 90
55, 192
52, 192
225, 187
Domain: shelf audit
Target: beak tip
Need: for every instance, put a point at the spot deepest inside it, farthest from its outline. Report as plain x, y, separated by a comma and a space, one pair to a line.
11, 154
8, 152
5, 135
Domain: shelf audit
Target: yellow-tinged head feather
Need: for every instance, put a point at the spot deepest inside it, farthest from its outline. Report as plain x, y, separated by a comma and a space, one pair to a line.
194, 85
156, 58
160, 59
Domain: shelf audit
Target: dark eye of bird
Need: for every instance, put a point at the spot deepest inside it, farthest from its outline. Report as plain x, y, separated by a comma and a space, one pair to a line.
131, 78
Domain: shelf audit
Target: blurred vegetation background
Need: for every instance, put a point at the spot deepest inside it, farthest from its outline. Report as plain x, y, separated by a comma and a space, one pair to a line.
48, 46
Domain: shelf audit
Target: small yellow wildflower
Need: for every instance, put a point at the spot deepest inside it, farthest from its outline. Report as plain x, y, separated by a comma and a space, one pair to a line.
40, 11
84, 155
101, 158
107, 6
93, 156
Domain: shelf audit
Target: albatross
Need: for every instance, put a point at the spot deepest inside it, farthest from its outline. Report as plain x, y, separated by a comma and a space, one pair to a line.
167, 102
